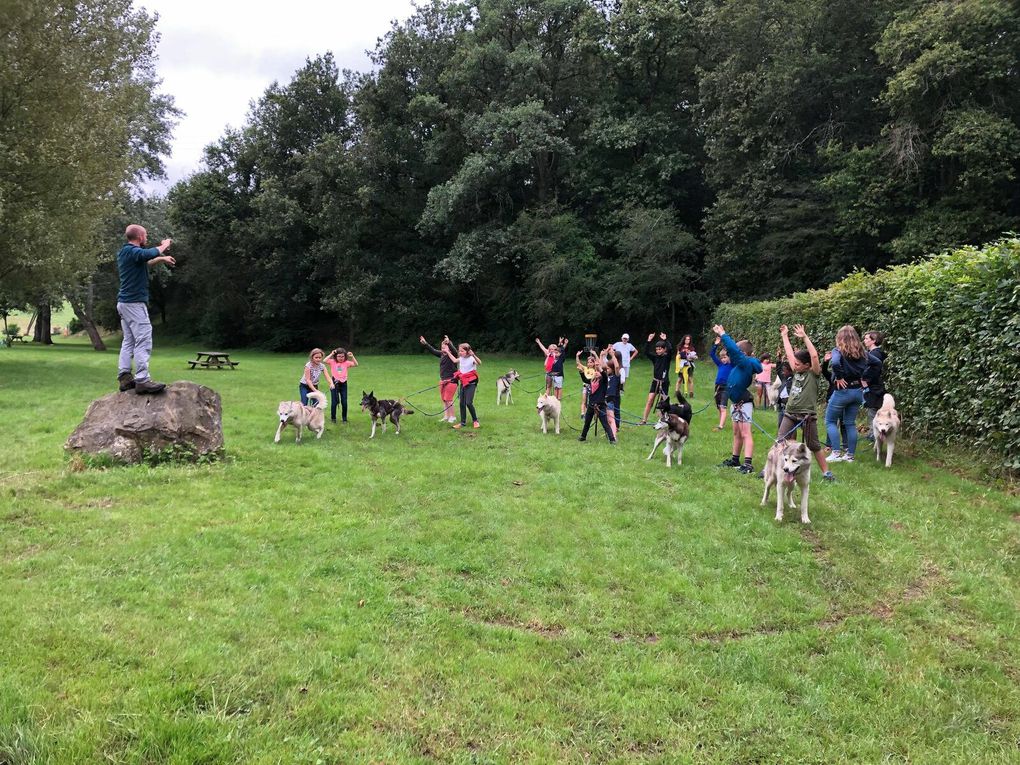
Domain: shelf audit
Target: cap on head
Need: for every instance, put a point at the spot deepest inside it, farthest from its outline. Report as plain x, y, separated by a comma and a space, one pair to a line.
625, 336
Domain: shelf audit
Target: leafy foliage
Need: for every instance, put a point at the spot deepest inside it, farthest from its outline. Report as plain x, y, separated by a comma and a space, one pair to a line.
952, 326
514, 167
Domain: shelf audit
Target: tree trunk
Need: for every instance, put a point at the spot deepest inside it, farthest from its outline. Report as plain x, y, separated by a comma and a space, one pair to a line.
90, 326
350, 330
42, 325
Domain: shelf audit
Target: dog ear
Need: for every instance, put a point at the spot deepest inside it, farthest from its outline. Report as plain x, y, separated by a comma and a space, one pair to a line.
802, 449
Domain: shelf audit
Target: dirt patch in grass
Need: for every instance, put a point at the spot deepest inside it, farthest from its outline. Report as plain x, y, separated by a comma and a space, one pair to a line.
534, 626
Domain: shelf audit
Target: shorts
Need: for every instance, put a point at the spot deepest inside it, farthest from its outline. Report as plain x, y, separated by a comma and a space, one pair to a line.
764, 385
624, 371
447, 389
556, 380
809, 428
741, 413
659, 386
720, 395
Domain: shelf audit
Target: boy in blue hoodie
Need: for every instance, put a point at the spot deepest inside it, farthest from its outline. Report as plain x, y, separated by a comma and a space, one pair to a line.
722, 374
745, 367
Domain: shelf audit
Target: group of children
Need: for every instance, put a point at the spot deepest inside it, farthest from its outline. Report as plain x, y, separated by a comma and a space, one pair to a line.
853, 369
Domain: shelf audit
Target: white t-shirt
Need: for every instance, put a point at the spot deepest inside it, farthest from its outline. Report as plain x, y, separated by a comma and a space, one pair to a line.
623, 351
466, 364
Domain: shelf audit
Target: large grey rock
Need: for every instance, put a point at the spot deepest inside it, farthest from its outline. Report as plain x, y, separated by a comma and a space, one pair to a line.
123, 424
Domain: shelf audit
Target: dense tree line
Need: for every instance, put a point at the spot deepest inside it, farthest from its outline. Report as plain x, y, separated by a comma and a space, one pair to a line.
513, 167
81, 122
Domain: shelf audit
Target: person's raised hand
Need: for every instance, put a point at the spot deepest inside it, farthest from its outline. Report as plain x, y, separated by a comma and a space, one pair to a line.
799, 331
784, 330
718, 329
717, 341
651, 337
421, 339
166, 243
662, 335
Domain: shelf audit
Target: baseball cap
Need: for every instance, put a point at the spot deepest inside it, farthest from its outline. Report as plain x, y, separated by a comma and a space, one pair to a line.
625, 336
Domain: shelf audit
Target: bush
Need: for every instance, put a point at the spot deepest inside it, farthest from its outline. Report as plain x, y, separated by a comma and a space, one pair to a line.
74, 325
952, 328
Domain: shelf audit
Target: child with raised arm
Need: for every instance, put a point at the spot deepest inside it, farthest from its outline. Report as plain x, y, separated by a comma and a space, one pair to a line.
596, 397
339, 361
802, 405
447, 370
745, 367
721, 359
554, 365
659, 356
614, 383
467, 375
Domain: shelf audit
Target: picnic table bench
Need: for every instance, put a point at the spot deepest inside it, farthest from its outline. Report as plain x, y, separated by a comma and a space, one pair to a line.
212, 360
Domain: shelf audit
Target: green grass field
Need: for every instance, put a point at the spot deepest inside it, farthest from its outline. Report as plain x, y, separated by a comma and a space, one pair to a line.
491, 596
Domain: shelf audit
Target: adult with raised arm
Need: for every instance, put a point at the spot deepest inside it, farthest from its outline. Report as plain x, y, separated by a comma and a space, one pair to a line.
133, 263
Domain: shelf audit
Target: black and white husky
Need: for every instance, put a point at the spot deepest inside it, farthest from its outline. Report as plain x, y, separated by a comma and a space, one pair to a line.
380, 409
672, 430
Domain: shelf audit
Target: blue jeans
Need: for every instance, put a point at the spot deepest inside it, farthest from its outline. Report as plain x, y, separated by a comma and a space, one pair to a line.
304, 390
843, 405
338, 395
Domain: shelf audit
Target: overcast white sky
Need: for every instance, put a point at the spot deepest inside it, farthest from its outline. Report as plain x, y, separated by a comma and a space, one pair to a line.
216, 56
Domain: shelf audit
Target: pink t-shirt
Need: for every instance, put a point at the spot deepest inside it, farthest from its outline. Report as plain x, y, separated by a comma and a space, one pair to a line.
766, 372
339, 369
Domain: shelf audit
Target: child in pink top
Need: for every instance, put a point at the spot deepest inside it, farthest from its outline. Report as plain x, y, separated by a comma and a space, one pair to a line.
764, 379
339, 361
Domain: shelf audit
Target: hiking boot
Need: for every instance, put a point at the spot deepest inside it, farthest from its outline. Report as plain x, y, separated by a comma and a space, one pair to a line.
148, 386
126, 381
731, 462
745, 469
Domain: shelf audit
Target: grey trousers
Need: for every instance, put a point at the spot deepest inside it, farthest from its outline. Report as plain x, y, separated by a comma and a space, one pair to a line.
137, 345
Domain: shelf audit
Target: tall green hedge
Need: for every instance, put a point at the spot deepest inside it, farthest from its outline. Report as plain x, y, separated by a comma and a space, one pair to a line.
952, 328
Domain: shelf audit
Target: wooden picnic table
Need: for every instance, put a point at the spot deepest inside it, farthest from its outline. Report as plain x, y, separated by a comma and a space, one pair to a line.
212, 360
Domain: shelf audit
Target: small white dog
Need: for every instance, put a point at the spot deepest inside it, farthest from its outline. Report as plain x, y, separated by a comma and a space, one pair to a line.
788, 467
884, 429
673, 430
504, 386
549, 411
299, 415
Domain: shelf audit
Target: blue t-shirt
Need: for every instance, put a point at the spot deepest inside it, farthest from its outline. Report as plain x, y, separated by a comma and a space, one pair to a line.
723, 372
133, 267
744, 369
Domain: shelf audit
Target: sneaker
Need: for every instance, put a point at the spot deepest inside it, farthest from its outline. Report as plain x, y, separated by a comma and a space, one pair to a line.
148, 386
451, 420
475, 424
828, 476
730, 463
334, 421
835, 457
612, 443
847, 458
745, 469
458, 425
126, 381
582, 438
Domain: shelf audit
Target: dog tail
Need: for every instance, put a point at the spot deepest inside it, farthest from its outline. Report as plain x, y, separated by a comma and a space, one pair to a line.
888, 402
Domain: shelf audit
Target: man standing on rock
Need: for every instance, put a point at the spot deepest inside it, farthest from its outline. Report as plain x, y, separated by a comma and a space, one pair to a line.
132, 265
